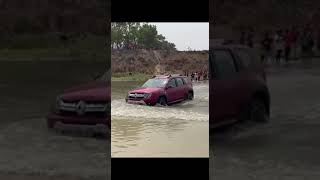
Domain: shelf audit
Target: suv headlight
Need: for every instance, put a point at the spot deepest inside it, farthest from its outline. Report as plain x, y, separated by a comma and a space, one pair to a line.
57, 104
147, 95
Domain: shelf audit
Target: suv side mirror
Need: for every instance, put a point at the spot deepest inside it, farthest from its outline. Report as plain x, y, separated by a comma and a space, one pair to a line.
169, 86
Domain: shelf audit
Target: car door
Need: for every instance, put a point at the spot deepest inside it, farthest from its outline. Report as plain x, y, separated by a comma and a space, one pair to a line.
223, 77
246, 77
181, 88
171, 90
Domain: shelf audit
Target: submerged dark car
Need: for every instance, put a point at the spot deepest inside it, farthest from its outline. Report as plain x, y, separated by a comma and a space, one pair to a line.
84, 105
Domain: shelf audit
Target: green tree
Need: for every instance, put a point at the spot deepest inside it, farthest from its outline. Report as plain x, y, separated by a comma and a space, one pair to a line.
131, 32
147, 36
117, 34
137, 35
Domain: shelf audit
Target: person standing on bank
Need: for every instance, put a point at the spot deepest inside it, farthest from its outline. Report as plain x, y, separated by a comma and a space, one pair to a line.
288, 43
266, 48
307, 44
279, 45
242, 40
250, 38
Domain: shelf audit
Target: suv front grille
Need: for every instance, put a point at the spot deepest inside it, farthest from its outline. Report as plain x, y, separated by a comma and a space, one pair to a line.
82, 108
87, 114
136, 96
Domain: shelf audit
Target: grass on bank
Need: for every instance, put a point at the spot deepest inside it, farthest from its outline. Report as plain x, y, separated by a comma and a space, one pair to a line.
42, 54
47, 46
130, 77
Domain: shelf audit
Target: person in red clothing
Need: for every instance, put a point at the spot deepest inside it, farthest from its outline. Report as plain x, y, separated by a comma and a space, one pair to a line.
266, 48
288, 42
295, 37
318, 39
200, 76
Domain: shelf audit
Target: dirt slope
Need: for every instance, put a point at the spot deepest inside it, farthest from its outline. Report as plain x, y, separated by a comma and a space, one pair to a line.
150, 62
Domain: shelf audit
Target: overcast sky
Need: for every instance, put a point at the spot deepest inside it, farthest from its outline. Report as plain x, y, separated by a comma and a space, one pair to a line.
184, 35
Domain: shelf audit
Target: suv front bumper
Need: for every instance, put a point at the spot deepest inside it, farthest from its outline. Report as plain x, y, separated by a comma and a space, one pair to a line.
141, 102
53, 119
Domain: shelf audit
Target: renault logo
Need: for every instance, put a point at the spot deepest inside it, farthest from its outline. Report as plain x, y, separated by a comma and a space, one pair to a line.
81, 108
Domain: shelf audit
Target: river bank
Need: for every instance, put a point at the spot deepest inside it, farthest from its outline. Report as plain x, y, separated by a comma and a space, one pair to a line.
130, 77
54, 54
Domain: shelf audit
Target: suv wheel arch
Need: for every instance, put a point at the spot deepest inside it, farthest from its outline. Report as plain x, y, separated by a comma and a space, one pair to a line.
190, 91
162, 96
259, 95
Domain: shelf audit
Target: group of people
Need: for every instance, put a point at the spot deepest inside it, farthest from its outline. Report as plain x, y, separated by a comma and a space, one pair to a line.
283, 43
197, 76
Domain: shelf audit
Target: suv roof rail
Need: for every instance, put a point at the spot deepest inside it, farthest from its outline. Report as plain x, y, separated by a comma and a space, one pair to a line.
167, 75
154, 76
176, 75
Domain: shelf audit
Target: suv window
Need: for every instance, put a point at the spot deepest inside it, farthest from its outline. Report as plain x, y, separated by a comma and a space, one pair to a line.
172, 83
224, 65
179, 82
186, 80
255, 58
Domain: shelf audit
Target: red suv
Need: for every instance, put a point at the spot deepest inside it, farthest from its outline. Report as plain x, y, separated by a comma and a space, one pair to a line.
238, 85
163, 90
85, 105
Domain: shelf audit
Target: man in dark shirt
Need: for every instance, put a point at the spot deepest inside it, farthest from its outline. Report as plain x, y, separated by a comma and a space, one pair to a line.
243, 38
266, 48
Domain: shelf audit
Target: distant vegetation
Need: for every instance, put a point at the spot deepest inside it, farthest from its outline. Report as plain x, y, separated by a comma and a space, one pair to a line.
243, 13
54, 46
43, 16
54, 29
138, 36
230, 17
130, 77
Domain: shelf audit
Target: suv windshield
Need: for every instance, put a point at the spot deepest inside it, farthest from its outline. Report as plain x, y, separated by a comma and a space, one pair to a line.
104, 77
155, 83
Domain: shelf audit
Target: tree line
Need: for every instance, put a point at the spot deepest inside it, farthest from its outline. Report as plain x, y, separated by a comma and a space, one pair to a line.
138, 36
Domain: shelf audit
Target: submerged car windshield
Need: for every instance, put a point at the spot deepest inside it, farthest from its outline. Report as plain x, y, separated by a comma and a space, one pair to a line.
155, 83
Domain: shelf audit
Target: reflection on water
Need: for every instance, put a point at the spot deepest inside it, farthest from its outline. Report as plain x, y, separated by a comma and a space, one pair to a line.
180, 130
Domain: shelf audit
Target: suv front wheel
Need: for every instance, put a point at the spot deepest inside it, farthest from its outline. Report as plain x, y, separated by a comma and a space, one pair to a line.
190, 95
258, 111
162, 101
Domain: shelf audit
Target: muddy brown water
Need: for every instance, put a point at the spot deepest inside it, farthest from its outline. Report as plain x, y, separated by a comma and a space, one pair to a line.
27, 91
179, 130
